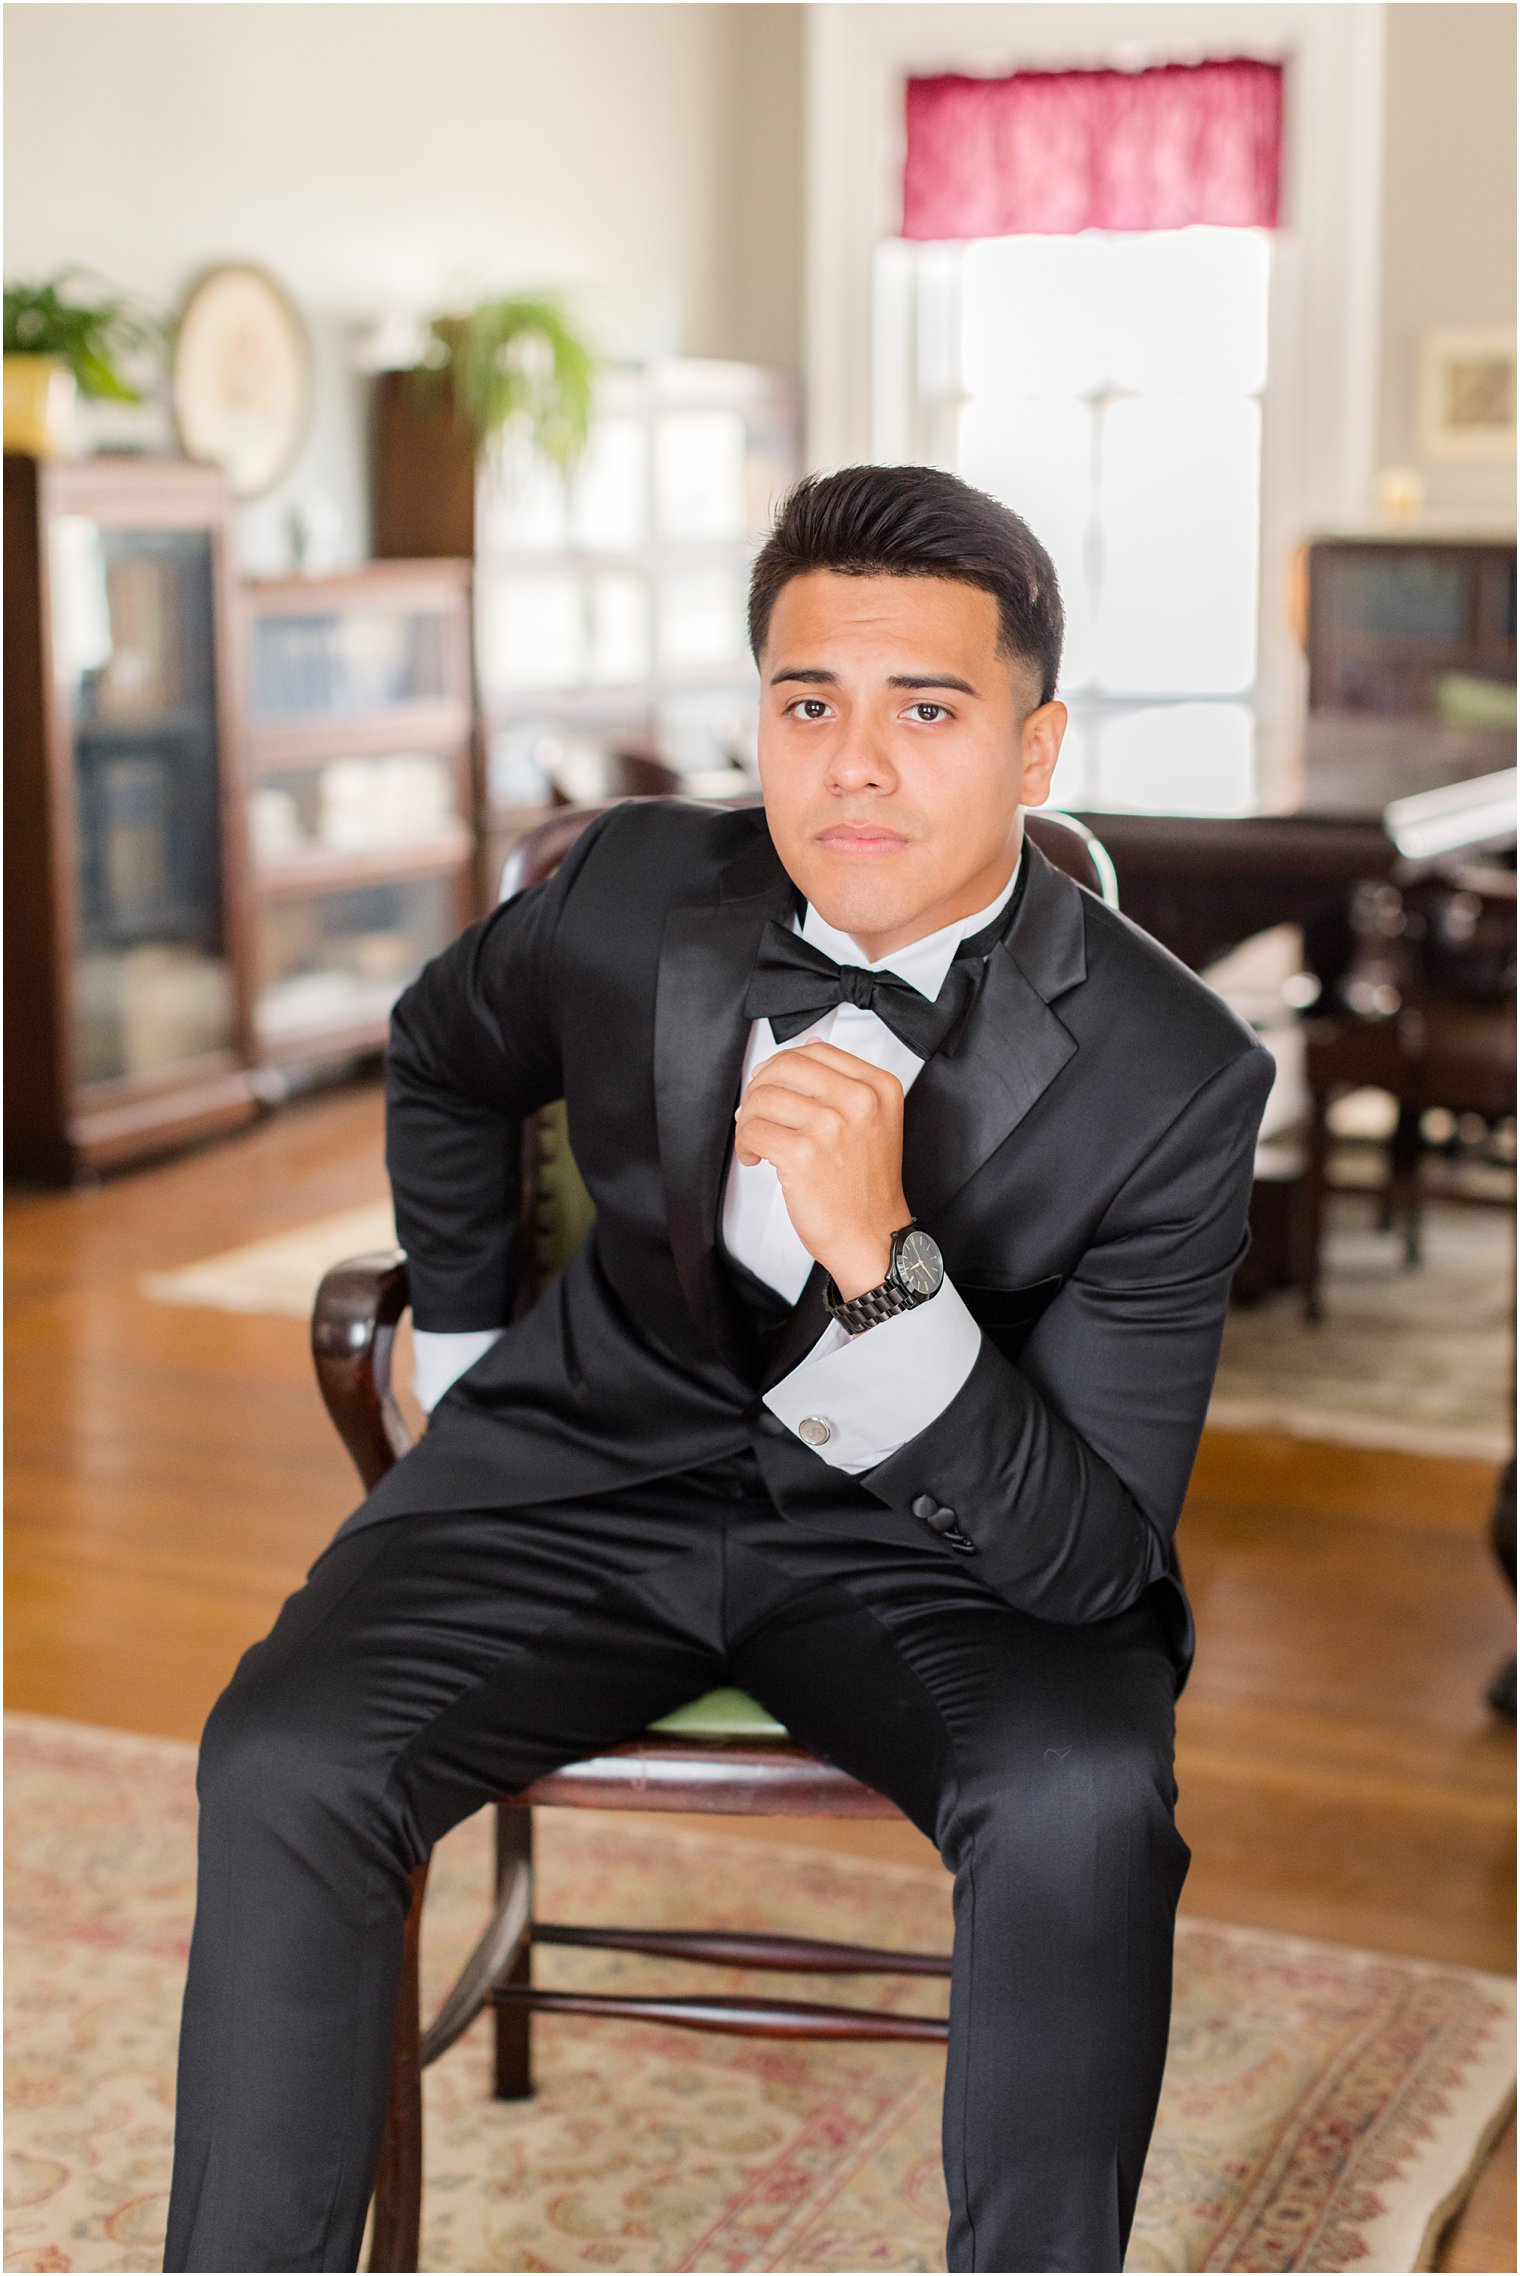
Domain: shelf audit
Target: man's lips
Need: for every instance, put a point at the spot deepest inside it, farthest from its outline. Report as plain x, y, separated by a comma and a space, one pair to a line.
860, 838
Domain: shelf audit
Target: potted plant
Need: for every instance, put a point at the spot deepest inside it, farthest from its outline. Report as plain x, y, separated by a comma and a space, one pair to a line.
57, 346
517, 360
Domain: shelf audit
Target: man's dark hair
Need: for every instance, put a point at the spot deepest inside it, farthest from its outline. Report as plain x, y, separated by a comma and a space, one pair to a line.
916, 521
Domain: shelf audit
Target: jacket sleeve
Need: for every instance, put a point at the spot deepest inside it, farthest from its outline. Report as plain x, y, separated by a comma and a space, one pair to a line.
1067, 1467
474, 1049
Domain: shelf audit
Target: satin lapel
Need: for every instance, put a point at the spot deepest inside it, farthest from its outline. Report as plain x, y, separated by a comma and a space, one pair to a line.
968, 1100
700, 1032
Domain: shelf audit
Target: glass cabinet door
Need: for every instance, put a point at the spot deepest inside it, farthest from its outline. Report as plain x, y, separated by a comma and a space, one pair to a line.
395, 802
134, 642
340, 960
346, 665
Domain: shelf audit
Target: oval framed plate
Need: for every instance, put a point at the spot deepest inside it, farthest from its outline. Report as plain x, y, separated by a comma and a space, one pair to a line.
242, 376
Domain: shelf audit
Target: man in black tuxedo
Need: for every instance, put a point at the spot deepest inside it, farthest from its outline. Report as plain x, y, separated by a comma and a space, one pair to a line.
920, 1180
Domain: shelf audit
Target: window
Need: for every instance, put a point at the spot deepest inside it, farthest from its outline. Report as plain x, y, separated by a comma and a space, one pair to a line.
1108, 387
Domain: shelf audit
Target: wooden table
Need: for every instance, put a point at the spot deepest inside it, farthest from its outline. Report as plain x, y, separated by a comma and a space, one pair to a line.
1326, 813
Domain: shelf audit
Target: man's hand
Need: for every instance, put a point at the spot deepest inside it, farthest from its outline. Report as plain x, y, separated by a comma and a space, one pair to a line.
830, 1125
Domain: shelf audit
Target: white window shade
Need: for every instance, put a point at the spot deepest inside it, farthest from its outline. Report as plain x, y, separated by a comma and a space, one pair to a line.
1187, 312
1037, 455
1177, 506
1108, 388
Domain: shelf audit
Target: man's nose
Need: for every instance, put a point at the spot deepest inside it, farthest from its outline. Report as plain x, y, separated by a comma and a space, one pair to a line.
859, 761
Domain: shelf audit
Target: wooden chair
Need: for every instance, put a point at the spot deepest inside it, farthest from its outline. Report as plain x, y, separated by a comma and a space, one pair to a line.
722, 1753
1438, 1031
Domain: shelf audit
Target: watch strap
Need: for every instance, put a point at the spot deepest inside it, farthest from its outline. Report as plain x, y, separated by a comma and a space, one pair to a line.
857, 1313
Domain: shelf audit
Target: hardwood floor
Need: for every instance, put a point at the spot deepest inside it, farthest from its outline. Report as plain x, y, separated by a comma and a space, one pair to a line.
172, 1474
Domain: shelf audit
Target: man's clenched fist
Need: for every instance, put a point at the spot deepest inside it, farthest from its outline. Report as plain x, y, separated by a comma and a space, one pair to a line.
830, 1125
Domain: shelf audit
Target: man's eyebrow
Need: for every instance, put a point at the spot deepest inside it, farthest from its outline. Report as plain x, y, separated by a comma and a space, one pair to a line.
813, 677
931, 680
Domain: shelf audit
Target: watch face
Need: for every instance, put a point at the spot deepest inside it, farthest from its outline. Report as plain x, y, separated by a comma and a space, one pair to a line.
918, 1266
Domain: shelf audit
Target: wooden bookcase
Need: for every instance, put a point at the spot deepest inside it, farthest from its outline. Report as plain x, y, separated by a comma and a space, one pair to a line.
127, 1027
609, 613
360, 798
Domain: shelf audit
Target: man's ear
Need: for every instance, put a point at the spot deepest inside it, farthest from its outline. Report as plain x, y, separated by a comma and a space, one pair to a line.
1040, 747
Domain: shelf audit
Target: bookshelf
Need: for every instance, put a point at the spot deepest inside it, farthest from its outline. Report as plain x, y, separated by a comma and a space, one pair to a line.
127, 1027
359, 798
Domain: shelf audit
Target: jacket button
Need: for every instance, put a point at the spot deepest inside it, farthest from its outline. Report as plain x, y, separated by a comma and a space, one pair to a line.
925, 1506
942, 1520
816, 1429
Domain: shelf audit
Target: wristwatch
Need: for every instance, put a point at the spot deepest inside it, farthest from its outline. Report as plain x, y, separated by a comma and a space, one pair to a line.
913, 1276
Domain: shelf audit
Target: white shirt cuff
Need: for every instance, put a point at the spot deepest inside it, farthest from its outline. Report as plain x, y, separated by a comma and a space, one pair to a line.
440, 1359
877, 1390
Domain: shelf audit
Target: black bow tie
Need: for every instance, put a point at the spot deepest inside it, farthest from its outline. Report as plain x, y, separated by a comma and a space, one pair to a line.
794, 984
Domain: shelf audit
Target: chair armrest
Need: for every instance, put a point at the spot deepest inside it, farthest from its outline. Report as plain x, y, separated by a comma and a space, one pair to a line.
353, 1333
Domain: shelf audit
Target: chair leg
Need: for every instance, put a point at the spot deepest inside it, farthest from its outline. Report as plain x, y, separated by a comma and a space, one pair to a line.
396, 2242
1404, 1195
1311, 1211
513, 2024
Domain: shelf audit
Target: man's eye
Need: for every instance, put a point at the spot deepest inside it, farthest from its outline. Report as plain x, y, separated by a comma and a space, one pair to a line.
808, 706
919, 709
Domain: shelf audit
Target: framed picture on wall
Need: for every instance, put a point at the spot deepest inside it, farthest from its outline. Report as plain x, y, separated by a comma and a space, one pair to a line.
1467, 396
242, 376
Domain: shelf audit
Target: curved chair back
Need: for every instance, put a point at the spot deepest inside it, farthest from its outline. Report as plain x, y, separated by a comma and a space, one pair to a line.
557, 1211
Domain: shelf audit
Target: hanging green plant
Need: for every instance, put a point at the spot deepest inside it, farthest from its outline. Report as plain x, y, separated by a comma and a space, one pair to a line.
516, 360
89, 337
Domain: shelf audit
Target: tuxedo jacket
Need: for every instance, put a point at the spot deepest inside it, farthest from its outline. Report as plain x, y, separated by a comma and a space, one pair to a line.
1081, 1150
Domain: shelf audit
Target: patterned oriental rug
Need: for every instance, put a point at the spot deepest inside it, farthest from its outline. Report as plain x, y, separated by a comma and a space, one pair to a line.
1324, 2109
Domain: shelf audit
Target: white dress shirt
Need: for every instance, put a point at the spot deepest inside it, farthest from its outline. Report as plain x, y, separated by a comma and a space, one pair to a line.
876, 1390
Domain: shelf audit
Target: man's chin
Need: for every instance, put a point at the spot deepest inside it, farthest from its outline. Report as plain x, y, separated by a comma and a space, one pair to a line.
865, 893
864, 906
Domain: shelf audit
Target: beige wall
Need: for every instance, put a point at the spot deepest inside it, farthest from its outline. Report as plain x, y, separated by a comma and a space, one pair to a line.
761, 289
1448, 217
379, 157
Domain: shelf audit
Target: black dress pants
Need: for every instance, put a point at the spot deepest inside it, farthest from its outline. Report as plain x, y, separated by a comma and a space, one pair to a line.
433, 1662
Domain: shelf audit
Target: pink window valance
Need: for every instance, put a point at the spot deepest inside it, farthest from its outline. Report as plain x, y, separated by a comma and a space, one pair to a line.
1051, 152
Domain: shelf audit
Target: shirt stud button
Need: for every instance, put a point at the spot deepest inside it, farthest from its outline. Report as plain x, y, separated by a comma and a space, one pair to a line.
816, 1429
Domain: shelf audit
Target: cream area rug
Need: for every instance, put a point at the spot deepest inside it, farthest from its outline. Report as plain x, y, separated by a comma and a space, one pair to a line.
1414, 1360
281, 1273
1418, 1360
1323, 2109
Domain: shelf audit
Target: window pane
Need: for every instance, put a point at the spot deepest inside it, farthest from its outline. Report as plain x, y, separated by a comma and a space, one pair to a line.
610, 497
621, 643
1178, 501
532, 630
1038, 458
701, 620
1033, 315
1186, 311
1183, 758
699, 475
